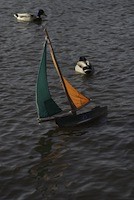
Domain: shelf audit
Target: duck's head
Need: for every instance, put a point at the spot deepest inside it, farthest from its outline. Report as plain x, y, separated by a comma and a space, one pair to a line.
41, 12
82, 58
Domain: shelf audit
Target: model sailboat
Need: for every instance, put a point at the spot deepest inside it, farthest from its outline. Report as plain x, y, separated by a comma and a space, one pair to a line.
48, 109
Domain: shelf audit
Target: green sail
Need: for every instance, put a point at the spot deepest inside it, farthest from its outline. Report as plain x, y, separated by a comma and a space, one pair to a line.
46, 106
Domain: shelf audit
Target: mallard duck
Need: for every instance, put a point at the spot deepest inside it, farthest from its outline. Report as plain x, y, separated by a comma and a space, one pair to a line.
26, 17
83, 66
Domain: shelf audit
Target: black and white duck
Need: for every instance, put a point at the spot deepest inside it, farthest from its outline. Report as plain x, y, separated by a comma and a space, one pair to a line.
27, 17
83, 66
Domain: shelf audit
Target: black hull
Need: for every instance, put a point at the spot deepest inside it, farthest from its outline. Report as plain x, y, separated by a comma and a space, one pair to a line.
87, 117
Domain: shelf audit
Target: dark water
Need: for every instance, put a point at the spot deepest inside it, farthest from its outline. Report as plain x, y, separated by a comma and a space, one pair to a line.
88, 163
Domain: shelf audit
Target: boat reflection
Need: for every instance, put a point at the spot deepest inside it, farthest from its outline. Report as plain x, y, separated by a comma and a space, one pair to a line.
48, 173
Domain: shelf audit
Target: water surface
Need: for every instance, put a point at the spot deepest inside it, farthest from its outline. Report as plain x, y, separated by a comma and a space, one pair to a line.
43, 161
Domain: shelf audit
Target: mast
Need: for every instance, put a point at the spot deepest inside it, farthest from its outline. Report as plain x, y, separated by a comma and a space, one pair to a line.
73, 108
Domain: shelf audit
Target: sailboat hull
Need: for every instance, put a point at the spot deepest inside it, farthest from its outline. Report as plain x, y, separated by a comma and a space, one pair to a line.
87, 117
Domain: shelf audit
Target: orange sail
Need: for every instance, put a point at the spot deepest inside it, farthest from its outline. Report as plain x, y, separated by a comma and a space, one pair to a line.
78, 99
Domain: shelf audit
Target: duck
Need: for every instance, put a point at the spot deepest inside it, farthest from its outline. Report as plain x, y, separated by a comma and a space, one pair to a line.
83, 66
27, 17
